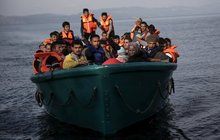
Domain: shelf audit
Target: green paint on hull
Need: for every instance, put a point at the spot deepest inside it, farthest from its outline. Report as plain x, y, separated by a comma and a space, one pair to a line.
106, 98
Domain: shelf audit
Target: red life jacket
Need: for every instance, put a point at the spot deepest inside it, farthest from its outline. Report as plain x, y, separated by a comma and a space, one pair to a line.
44, 56
171, 50
48, 41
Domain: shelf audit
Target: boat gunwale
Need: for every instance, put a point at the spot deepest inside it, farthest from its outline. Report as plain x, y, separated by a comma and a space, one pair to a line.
93, 70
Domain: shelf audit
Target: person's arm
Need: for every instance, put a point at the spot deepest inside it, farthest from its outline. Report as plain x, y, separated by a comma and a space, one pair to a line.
142, 42
113, 45
98, 23
110, 28
69, 62
81, 29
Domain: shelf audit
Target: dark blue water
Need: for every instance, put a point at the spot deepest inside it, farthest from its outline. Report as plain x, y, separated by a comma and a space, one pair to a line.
193, 111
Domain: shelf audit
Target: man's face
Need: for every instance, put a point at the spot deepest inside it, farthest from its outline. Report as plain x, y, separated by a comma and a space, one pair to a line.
86, 13
54, 38
104, 17
95, 42
151, 44
77, 49
67, 28
143, 27
131, 51
116, 40
104, 36
126, 44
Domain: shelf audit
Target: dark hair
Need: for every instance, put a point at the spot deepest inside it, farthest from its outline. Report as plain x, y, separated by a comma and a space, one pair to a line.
104, 32
41, 44
77, 42
151, 28
161, 42
65, 23
104, 14
93, 36
85, 10
53, 45
128, 38
54, 33
168, 40
103, 42
145, 23
116, 37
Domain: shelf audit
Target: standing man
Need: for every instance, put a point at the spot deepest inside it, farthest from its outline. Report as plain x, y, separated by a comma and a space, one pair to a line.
88, 24
107, 26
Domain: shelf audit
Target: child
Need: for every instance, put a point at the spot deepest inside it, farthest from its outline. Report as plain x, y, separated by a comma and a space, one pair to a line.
66, 34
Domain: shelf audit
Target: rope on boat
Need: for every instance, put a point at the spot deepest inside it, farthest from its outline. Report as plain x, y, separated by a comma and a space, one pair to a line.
91, 99
138, 111
160, 91
40, 99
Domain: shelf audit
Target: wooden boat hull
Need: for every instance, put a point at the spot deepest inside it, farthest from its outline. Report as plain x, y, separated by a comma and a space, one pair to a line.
105, 98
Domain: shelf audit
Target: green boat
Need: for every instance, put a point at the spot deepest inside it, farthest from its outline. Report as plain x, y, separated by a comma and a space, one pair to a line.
105, 98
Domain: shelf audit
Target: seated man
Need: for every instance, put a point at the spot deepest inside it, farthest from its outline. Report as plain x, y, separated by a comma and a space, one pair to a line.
75, 58
94, 52
134, 53
152, 51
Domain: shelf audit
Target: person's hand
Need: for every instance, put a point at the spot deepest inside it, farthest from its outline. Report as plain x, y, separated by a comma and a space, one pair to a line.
83, 62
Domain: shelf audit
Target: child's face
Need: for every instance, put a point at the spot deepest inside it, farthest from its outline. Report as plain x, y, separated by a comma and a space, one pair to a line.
54, 38
48, 48
43, 48
67, 28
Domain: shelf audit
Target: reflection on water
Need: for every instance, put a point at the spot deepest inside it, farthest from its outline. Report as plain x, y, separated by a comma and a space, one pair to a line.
159, 126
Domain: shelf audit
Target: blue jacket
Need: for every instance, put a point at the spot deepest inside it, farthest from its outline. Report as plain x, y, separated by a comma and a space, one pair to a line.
94, 55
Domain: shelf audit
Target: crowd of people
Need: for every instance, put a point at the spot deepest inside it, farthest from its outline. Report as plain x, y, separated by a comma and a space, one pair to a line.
63, 50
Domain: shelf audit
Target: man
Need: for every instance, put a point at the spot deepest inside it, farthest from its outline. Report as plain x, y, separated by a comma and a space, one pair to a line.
88, 24
152, 51
75, 58
153, 30
94, 52
142, 32
107, 26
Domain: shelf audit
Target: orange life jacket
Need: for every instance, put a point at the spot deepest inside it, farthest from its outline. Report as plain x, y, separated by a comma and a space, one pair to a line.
48, 41
89, 25
68, 37
106, 24
171, 50
44, 56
